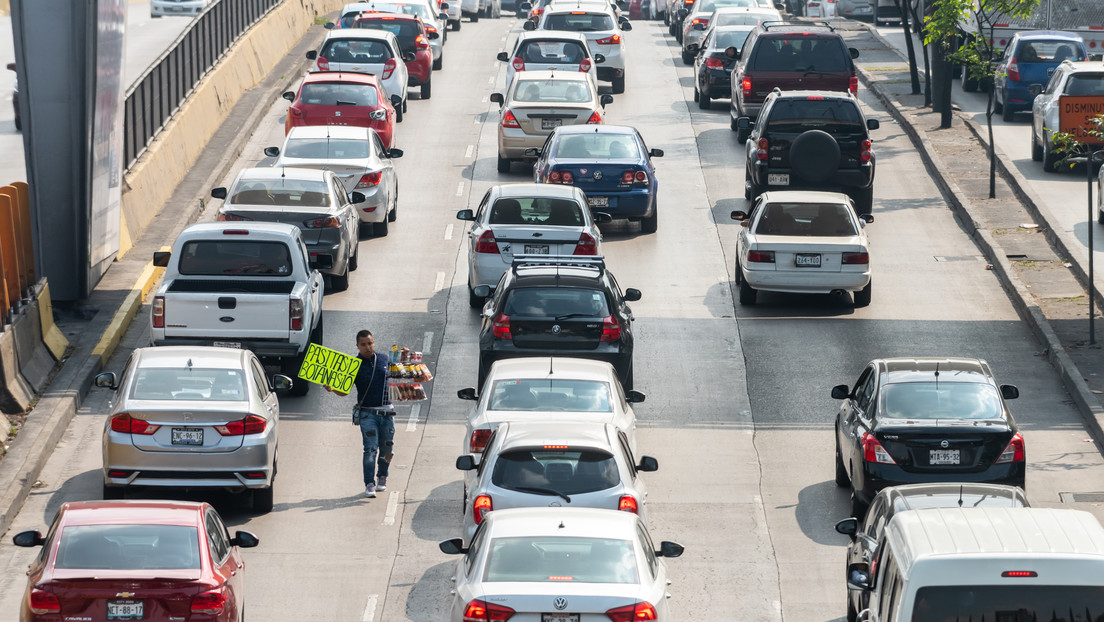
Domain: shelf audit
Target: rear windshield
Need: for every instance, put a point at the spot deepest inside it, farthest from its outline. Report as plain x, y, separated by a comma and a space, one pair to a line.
806, 219
530, 211
551, 52
597, 146
405, 30
707, 6
1085, 84
1009, 603
793, 53
347, 20
561, 560
835, 116
328, 148
740, 19
338, 94
579, 22
555, 302
539, 394
724, 39
420, 10
128, 547
1050, 52
188, 383
235, 257
552, 92
941, 400
282, 192
567, 471
356, 51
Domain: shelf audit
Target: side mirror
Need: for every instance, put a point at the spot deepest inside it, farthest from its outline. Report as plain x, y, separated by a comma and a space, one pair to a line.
529, 26
532, 152
452, 547
28, 538
625, 25
743, 123
841, 392
394, 153
781, 6
858, 580
244, 539
289, 95
647, 464
328, 25
848, 527
599, 58
11, 66
497, 98
408, 57
161, 258
656, 153
635, 397
621, 19
465, 214
738, 215
431, 35
466, 463
525, 6
602, 218
632, 295
107, 380
873, 124
311, 55
1035, 89
853, 52
697, 26
281, 382
396, 101
218, 193
444, 7
503, 56
1009, 391
606, 98
732, 52
272, 152
443, 16
482, 291
669, 549
467, 394
682, 13
357, 197
867, 218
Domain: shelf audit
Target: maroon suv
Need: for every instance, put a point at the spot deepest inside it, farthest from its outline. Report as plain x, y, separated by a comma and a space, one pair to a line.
413, 38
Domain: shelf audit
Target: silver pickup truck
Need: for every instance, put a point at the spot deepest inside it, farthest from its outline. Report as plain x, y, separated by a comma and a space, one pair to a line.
240, 285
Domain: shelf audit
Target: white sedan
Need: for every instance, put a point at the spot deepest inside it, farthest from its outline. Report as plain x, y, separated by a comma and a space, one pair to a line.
560, 565
803, 242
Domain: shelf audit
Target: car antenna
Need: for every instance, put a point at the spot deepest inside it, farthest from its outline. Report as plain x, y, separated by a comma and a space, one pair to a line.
960, 495
189, 363
550, 366
561, 524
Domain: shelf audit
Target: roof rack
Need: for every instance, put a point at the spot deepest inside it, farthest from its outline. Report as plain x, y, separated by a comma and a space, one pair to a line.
778, 25
558, 261
339, 72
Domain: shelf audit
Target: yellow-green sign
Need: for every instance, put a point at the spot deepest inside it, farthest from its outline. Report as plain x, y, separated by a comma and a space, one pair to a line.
330, 368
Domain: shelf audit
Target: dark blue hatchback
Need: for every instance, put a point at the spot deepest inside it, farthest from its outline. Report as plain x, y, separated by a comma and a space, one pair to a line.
610, 164
1030, 58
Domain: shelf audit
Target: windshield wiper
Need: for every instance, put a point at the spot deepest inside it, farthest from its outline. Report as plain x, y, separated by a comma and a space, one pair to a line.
544, 491
565, 316
819, 73
345, 103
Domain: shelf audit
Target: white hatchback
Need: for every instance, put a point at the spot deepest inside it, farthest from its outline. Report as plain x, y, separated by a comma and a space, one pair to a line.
544, 50
603, 32
363, 50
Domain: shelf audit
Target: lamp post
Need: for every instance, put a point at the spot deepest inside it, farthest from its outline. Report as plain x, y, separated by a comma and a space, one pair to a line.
1088, 160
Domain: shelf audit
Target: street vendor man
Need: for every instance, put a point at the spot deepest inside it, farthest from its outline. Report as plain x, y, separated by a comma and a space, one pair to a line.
374, 413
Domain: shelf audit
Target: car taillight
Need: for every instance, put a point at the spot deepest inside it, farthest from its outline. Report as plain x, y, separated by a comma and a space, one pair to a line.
500, 326
760, 256
763, 150
873, 450
421, 42
704, 21
561, 177
252, 424
611, 328
389, 68
481, 507
632, 613
378, 115
853, 85
1013, 70
481, 611
210, 603
627, 503
44, 602
594, 119
611, 40
295, 112
158, 312
229, 218
518, 64
856, 258
322, 223
486, 243
745, 86
634, 177
865, 153
430, 29
478, 441
323, 63
295, 314
586, 245
509, 120
1014, 452
370, 180
713, 62
126, 424
585, 65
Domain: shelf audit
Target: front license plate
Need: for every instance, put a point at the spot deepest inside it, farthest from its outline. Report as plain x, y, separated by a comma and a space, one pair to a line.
187, 436
227, 344
559, 617
778, 179
551, 124
125, 609
536, 249
943, 456
807, 260
598, 201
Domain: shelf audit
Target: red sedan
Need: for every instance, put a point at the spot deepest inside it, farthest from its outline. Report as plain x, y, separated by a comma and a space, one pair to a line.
413, 37
342, 98
135, 560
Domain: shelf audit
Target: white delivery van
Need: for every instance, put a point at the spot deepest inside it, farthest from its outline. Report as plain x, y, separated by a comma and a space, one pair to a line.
993, 564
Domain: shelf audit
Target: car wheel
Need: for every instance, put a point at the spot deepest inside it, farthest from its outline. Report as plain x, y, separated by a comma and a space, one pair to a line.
852, 615
858, 508
393, 215
437, 64
703, 100
483, 369
354, 263
748, 294
678, 35
671, 27
299, 387
864, 200
1008, 114
364, 230
340, 282
1049, 160
842, 479
619, 85
456, 25
18, 124
687, 58
970, 85
263, 499
739, 275
650, 224
475, 17
427, 89
732, 124
696, 94
628, 384
741, 134
862, 297
399, 114
503, 164
381, 229
114, 493
1036, 150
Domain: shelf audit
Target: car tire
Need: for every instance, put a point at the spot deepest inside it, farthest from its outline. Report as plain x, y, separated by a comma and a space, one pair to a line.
858, 508
843, 480
263, 499
457, 25
399, 114
393, 215
671, 28
628, 384
742, 135
862, 297
340, 282
475, 302
852, 615
503, 164
1050, 160
687, 58
18, 124
732, 123
748, 294
364, 230
299, 387
696, 94
437, 64
970, 85
427, 89
864, 200
381, 229
1008, 114
484, 368
354, 263
475, 17
618, 85
1036, 149
114, 493
703, 100
650, 224
815, 156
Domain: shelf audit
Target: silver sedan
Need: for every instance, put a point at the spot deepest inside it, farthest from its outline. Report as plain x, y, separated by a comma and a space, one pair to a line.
192, 417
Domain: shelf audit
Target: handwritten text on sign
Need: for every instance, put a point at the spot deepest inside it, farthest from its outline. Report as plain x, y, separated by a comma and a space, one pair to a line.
1076, 113
330, 368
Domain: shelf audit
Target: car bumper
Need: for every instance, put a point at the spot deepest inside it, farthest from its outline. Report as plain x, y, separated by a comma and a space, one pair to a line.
158, 9
418, 72
189, 469
263, 349
609, 73
690, 35
750, 109
330, 257
845, 180
879, 476
718, 83
512, 143
372, 209
631, 204
487, 268
1017, 97
811, 282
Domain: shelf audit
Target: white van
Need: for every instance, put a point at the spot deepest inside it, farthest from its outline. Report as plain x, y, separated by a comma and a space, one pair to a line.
993, 564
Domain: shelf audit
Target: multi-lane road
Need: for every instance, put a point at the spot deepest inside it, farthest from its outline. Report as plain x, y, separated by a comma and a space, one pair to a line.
738, 410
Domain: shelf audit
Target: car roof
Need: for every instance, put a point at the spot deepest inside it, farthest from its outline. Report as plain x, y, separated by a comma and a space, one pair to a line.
785, 28
805, 196
921, 369
390, 16
595, 129
201, 357
132, 512
840, 95
552, 74
216, 229
762, 10
526, 35
1035, 35
921, 496
280, 172
358, 33
557, 276
543, 433
590, 9
552, 191
539, 366
341, 76
562, 522
1084, 65
330, 131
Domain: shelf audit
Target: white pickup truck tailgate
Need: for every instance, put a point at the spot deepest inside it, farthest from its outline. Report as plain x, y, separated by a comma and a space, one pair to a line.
228, 309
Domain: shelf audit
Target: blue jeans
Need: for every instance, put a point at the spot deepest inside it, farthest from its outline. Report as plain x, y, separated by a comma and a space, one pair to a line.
376, 431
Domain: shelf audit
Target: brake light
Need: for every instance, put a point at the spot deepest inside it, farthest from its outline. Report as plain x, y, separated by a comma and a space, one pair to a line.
745, 86
209, 602
760, 256
611, 40
322, 223
126, 424
865, 153
479, 440
712, 62
633, 613
323, 63
518, 64
44, 602
430, 29
251, 424
229, 218
481, 507
1013, 70
856, 258
378, 115
370, 180
509, 120
595, 118
500, 326
295, 314
561, 177
486, 243
586, 245
611, 328
1019, 574
421, 42
699, 20
585, 65
536, 12
873, 450
627, 503
235, 232
763, 150
853, 85
295, 112
1014, 452
480, 611
388, 68
158, 312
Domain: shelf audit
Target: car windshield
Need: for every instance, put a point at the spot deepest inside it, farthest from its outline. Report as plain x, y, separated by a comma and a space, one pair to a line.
597, 147
806, 219
1011, 603
835, 116
128, 547
552, 91
940, 400
282, 192
551, 52
740, 19
730, 38
791, 53
1050, 52
328, 148
537, 211
540, 394
355, 51
405, 30
579, 21
567, 471
1085, 84
549, 302
551, 559
212, 258
188, 383
338, 94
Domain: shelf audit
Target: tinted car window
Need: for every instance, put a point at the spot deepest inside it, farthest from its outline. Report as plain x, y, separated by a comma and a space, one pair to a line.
560, 560
1048, 52
328, 148
210, 258
537, 211
551, 52
552, 91
597, 146
568, 471
405, 30
128, 547
579, 22
283, 192
800, 54
336, 94
707, 6
1008, 602
555, 301
355, 51
153, 383
555, 395
1085, 84
940, 400
835, 116
724, 39
806, 219
739, 19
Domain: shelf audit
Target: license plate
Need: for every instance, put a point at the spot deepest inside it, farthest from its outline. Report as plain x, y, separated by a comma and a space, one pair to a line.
559, 617
944, 456
187, 436
807, 260
778, 179
536, 249
598, 201
227, 344
125, 609
551, 124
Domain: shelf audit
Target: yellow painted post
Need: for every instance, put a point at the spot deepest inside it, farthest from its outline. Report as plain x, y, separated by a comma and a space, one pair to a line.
9, 265
17, 217
27, 263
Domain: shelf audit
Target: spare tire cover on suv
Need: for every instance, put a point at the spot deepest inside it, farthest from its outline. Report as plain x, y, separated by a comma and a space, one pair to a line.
815, 156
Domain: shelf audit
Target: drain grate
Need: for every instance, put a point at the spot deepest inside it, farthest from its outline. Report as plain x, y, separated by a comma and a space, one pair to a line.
1081, 497
958, 258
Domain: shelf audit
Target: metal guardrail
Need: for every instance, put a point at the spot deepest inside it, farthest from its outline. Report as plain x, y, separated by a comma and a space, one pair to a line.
156, 96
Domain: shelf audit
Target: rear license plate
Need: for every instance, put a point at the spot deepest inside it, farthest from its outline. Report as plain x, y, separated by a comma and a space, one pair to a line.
187, 436
598, 201
551, 124
536, 249
125, 609
943, 456
227, 344
807, 260
778, 179
559, 617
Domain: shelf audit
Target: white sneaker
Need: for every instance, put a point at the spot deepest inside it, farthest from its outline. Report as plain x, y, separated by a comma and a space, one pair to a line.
370, 491
381, 483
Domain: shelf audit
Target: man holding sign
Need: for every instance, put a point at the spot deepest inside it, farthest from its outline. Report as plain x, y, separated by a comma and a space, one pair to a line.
374, 412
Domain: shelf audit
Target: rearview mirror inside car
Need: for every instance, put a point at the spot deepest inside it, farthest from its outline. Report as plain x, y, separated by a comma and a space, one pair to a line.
738, 215
1009, 391
281, 382
28, 538
503, 56
357, 197
656, 153
528, 25
106, 380
465, 214
497, 98
289, 95
854, 53
648, 464
161, 258
632, 295
272, 152
244, 539
466, 463
602, 218
669, 549
599, 58
467, 394
841, 392
848, 526
394, 153
454, 546
311, 55
218, 193
873, 124
635, 397
481, 291
606, 98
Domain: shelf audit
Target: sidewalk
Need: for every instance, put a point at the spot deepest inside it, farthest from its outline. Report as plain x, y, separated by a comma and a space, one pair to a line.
1032, 261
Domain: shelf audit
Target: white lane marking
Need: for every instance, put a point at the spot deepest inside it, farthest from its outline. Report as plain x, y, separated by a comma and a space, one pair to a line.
427, 341
460, 189
448, 232
477, 120
412, 422
494, 65
370, 608
469, 151
439, 282
490, 80
486, 98
392, 509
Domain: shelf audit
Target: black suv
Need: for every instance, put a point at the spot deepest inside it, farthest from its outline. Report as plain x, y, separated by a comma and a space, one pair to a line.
558, 306
812, 140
